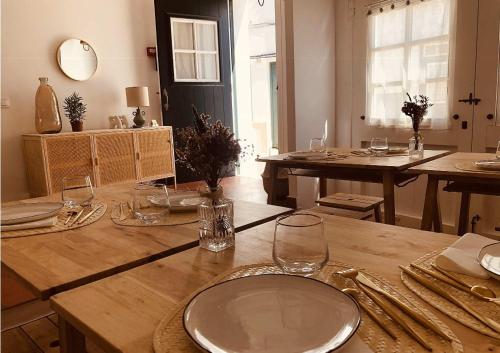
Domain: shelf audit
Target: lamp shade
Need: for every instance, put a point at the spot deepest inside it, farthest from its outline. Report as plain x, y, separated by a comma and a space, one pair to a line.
137, 96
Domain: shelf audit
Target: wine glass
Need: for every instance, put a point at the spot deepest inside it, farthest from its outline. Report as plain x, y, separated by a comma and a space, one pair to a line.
77, 191
498, 150
379, 146
150, 202
299, 244
317, 144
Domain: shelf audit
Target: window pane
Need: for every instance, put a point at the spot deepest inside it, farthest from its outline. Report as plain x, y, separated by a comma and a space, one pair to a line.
205, 36
388, 65
183, 35
425, 62
386, 105
430, 19
184, 66
388, 28
208, 67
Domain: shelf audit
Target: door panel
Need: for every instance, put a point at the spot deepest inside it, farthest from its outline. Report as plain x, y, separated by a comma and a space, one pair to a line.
154, 154
115, 160
213, 98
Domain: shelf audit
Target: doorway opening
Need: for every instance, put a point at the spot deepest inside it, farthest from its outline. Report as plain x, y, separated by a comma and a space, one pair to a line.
255, 81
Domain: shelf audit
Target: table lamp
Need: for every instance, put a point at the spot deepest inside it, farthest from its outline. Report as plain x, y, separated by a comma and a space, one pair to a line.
138, 97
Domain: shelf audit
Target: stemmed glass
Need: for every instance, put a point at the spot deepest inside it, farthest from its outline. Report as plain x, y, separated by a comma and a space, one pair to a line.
299, 245
379, 146
77, 191
317, 144
150, 202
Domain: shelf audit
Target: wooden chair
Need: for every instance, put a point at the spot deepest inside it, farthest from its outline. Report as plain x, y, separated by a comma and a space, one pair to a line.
353, 202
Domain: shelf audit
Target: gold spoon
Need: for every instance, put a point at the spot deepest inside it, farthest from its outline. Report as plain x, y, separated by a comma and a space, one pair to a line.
478, 289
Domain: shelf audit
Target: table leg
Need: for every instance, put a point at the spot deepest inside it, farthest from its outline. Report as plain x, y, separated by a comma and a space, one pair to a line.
389, 203
463, 220
273, 176
437, 220
430, 203
323, 187
70, 339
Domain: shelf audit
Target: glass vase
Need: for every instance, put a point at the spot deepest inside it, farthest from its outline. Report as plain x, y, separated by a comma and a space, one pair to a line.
216, 222
47, 117
416, 146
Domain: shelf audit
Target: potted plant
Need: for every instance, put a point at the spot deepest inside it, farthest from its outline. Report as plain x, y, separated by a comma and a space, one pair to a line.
210, 151
75, 110
416, 108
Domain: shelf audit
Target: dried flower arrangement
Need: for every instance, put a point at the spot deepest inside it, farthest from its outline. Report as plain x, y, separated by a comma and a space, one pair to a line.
209, 150
416, 109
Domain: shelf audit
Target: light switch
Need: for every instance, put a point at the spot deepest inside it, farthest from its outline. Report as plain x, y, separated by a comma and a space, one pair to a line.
5, 102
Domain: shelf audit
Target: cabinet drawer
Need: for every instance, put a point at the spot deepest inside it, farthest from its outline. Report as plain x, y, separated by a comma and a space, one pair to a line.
114, 157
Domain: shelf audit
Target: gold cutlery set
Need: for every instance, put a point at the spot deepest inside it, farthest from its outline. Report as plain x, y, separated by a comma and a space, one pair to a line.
80, 216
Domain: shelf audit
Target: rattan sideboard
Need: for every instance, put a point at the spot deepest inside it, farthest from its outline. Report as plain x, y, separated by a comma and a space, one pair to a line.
107, 156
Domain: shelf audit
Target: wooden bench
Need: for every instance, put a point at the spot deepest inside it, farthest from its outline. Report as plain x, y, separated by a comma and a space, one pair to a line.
353, 202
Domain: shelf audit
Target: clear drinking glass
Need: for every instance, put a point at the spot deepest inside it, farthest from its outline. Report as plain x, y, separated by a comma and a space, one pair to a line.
216, 225
77, 191
379, 146
300, 246
498, 150
317, 144
150, 202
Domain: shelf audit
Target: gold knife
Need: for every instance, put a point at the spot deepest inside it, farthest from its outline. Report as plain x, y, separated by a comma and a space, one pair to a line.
398, 318
438, 290
414, 314
89, 214
78, 215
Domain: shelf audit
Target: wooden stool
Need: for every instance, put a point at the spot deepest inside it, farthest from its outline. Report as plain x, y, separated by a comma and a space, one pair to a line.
353, 202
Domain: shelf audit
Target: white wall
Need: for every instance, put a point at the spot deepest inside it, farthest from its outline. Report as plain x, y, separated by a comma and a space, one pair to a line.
314, 58
119, 31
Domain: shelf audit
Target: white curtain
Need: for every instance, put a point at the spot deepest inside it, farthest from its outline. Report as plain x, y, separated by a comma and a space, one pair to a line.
409, 51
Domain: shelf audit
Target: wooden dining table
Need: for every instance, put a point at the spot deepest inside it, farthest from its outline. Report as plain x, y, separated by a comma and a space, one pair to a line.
386, 170
451, 169
120, 313
55, 262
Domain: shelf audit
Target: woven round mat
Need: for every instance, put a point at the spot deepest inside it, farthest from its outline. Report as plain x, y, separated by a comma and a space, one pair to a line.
485, 308
59, 226
471, 167
172, 219
170, 336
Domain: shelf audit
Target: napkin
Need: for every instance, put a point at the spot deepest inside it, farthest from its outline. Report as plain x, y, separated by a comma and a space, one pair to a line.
461, 256
47, 222
355, 345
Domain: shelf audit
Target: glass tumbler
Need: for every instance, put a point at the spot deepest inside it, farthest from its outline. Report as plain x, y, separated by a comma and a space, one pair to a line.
498, 150
77, 191
379, 146
299, 245
317, 144
150, 202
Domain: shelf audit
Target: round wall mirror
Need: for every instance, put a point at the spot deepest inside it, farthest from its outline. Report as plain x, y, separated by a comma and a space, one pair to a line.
77, 59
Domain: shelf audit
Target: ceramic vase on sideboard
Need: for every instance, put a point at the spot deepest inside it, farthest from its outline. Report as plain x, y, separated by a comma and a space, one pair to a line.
47, 117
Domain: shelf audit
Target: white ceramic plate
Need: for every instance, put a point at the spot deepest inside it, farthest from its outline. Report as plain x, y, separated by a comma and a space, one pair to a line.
489, 259
28, 212
307, 155
271, 314
490, 164
185, 203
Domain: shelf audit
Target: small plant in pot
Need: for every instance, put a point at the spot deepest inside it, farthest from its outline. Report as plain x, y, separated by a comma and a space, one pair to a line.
75, 110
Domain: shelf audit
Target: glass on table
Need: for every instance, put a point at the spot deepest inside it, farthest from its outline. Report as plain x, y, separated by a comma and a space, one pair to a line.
77, 191
498, 150
317, 144
299, 245
150, 202
379, 146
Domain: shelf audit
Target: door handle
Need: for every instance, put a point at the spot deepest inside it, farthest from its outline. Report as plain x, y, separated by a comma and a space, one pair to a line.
489, 116
456, 116
165, 99
471, 100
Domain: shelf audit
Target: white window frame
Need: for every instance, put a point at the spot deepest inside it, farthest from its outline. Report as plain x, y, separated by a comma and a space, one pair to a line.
197, 52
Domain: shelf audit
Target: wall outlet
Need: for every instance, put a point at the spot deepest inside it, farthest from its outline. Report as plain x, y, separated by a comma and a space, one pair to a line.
5, 102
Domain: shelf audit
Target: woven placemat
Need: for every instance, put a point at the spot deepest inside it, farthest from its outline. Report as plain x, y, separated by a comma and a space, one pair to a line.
170, 336
59, 226
487, 309
171, 219
471, 167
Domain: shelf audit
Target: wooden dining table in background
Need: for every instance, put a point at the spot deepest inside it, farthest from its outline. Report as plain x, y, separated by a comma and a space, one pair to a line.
386, 170
466, 182
54, 262
120, 313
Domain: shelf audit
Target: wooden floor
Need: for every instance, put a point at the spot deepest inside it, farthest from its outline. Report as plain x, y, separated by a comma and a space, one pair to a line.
40, 334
